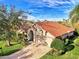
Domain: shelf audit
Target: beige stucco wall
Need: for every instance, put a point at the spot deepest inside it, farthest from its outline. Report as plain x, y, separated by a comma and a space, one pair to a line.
48, 38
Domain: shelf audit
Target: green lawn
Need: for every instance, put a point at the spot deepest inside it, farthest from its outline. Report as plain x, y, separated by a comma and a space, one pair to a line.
11, 49
73, 54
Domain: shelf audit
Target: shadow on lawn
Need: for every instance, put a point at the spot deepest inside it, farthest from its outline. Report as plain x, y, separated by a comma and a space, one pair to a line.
68, 48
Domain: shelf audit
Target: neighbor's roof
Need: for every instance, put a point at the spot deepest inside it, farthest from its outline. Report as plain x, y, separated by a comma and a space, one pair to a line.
56, 29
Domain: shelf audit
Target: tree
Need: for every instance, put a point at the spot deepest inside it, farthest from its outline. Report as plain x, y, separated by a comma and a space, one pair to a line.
74, 16
9, 24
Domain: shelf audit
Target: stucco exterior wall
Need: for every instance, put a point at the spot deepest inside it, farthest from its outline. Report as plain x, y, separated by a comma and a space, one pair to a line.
48, 37
71, 33
67, 35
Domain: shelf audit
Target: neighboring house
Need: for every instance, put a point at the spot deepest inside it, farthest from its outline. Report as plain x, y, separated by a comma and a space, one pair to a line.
47, 31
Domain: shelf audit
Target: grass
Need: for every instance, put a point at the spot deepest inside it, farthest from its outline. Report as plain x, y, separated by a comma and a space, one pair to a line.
9, 50
73, 54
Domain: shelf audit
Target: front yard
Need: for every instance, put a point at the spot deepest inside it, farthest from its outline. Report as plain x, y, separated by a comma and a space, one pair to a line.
5, 50
73, 54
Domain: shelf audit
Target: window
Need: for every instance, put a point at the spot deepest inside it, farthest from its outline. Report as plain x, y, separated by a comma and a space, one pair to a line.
45, 33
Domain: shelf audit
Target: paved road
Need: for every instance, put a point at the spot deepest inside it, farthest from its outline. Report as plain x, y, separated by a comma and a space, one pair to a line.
33, 51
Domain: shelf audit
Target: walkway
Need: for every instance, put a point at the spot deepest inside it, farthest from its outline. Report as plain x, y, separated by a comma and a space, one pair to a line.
33, 51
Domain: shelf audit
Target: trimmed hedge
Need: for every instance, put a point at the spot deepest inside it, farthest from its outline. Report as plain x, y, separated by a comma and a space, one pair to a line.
58, 44
10, 50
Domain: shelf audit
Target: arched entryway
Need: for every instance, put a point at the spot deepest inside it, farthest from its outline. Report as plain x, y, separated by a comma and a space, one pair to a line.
31, 35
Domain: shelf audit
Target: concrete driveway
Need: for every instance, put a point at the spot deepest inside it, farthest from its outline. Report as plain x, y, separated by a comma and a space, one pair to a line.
33, 51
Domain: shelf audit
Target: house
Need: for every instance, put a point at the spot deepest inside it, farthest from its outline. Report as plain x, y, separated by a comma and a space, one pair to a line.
24, 26
47, 31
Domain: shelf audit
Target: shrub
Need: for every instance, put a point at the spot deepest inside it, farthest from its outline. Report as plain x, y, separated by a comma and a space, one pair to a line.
11, 49
58, 44
66, 41
76, 41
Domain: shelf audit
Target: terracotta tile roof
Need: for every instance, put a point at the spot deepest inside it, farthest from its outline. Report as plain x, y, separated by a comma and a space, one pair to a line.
55, 28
